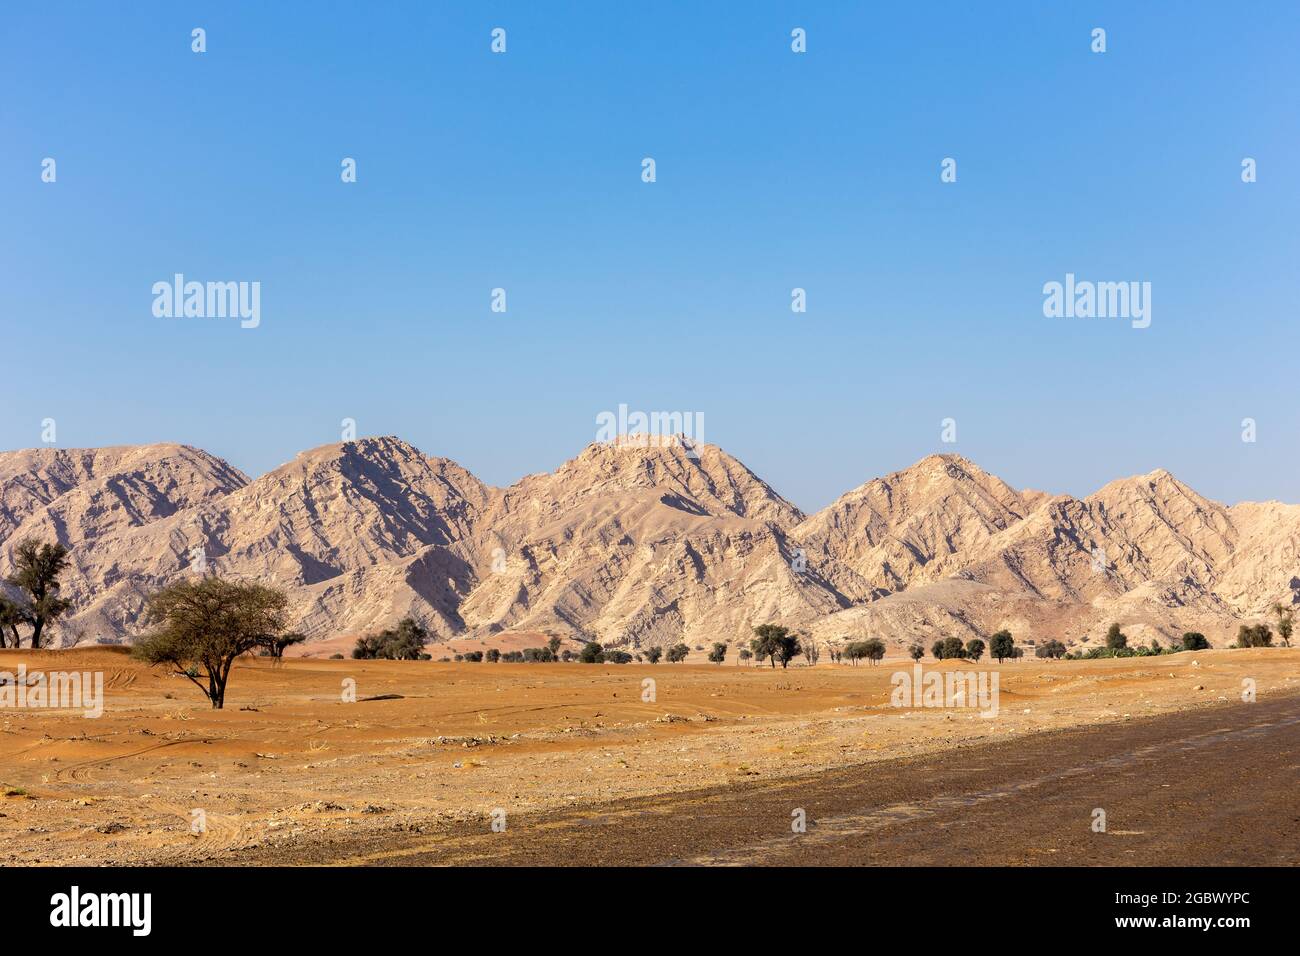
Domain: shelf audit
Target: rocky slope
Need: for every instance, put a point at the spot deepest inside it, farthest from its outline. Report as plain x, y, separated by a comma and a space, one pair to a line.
642, 545
80, 495
635, 545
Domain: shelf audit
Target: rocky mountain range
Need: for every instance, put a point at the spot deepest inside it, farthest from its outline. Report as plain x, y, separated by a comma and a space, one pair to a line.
634, 544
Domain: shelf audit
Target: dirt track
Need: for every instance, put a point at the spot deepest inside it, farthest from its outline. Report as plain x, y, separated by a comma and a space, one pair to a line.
1216, 787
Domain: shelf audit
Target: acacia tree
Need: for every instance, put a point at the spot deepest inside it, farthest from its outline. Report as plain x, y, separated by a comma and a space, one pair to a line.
811, 650
975, 649
1254, 635
953, 648
1002, 646
1116, 640
405, 642
1052, 649
276, 645
776, 643
205, 624
677, 653
11, 615
36, 574
873, 649
764, 643
1285, 622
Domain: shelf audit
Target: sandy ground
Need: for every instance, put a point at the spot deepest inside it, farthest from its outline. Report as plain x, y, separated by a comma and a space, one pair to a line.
1214, 786
289, 762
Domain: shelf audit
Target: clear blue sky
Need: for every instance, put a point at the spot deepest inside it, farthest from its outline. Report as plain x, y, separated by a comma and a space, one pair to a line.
775, 170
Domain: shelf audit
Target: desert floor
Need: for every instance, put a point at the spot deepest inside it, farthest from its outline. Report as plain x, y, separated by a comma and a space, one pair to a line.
291, 772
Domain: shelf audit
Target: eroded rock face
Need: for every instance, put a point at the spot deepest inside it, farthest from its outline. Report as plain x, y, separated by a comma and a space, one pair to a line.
80, 495
635, 545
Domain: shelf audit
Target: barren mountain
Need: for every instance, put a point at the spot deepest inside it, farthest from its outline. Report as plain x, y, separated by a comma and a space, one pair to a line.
632, 544
912, 526
80, 495
357, 533
641, 544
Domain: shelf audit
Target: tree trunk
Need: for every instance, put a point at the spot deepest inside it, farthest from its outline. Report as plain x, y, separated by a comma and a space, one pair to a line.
37, 625
220, 678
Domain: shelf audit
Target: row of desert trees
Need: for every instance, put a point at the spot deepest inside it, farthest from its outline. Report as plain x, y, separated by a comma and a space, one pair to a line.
776, 643
406, 641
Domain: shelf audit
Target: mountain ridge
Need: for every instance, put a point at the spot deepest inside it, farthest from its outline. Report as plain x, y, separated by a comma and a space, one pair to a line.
632, 543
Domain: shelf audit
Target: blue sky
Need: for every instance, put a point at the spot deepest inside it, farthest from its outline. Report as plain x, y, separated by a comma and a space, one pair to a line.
774, 170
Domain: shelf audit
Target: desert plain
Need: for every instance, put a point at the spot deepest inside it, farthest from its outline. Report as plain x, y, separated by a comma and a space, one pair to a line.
295, 770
